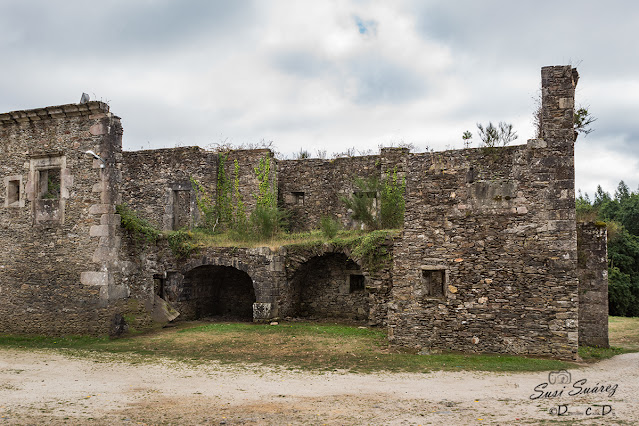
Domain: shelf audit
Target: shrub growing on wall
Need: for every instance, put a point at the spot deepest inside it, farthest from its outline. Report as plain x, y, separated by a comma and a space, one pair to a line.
392, 204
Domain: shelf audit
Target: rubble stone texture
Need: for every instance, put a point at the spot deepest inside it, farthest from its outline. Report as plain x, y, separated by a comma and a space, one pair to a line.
487, 260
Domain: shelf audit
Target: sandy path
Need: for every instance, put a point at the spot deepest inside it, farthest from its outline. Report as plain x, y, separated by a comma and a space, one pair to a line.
46, 387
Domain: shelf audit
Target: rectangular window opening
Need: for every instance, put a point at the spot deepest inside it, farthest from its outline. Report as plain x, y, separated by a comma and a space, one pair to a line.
298, 198
13, 192
434, 282
356, 283
49, 184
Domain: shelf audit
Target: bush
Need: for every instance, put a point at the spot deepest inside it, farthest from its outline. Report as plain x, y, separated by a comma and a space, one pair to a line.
362, 202
181, 243
329, 227
266, 222
140, 229
392, 203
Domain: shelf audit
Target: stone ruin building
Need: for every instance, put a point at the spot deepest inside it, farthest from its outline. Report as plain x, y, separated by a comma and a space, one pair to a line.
490, 257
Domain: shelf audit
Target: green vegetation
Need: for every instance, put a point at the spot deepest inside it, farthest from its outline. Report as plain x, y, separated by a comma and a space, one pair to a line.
390, 213
392, 202
624, 333
206, 206
329, 227
621, 217
295, 345
467, 137
141, 230
583, 120
492, 136
181, 243
227, 214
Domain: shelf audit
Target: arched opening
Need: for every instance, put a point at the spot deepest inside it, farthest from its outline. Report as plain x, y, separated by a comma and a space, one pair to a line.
330, 286
217, 291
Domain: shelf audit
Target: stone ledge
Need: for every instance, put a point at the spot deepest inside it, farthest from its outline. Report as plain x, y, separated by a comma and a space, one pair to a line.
54, 112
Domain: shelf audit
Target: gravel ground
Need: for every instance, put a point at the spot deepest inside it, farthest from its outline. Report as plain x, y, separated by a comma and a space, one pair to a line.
46, 387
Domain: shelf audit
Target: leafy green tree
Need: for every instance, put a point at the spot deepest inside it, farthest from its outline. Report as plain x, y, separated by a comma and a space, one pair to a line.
621, 214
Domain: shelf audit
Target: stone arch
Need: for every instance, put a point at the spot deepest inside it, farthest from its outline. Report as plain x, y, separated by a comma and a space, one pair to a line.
217, 290
253, 271
328, 284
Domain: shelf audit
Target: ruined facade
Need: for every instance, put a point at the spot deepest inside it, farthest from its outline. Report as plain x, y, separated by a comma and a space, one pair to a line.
487, 260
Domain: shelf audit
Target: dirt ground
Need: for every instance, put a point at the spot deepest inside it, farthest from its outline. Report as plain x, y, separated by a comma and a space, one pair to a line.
49, 388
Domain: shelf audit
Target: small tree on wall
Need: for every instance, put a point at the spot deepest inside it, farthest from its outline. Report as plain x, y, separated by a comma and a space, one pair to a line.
492, 136
392, 203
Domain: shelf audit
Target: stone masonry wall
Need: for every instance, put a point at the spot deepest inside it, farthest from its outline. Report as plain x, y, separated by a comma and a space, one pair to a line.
593, 284
310, 188
157, 184
247, 161
487, 260
57, 271
488, 257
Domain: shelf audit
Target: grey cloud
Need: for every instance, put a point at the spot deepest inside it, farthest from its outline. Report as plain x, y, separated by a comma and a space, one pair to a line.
301, 63
117, 25
535, 33
379, 80
376, 79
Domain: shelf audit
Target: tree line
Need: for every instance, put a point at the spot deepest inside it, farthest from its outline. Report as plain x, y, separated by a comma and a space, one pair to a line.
621, 215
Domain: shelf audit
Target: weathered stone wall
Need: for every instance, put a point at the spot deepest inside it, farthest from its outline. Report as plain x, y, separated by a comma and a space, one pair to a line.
486, 262
59, 268
157, 184
185, 287
593, 284
488, 258
318, 284
330, 286
240, 166
311, 188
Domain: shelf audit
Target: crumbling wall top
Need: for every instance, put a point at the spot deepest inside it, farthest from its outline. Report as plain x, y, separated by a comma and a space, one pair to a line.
53, 112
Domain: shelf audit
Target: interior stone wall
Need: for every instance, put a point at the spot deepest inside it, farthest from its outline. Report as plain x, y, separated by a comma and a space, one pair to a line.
322, 288
157, 183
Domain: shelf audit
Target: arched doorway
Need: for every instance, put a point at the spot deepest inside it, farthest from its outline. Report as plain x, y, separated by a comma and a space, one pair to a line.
330, 286
216, 290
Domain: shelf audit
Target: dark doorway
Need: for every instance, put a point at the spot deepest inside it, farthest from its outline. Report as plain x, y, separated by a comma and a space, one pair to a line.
218, 291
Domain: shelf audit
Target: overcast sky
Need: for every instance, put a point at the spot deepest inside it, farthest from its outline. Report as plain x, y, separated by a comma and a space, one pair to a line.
329, 75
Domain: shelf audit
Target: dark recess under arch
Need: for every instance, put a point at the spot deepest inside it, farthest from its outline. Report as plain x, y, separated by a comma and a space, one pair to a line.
216, 290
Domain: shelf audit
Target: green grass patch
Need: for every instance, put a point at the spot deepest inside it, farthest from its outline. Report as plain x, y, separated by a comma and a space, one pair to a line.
623, 336
624, 332
295, 345
595, 353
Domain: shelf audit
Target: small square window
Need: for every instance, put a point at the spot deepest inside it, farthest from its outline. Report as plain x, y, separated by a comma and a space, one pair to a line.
298, 198
433, 282
356, 283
